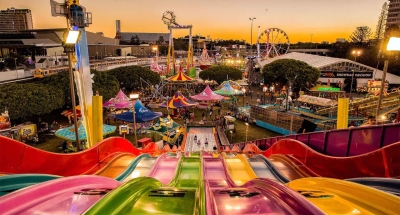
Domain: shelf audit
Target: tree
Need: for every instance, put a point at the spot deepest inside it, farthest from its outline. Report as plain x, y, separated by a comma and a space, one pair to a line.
282, 71
361, 35
380, 27
106, 84
129, 77
24, 100
221, 73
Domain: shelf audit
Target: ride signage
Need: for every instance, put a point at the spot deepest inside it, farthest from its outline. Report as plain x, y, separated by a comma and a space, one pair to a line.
346, 75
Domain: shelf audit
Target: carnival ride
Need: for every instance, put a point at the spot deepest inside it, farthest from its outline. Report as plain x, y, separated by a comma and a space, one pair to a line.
276, 43
169, 19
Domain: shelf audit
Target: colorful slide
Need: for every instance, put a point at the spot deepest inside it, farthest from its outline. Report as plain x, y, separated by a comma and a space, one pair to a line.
239, 169
26, 159
164, 168
264, 168
383, 162
69, 195
184, 194
258, 196
342, 197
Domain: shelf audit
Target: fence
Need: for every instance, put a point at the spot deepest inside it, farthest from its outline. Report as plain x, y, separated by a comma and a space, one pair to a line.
276, 118
341, 143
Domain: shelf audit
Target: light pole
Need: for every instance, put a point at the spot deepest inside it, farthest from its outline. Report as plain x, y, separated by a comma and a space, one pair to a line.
356, 54
134, 97
247, 129
69, 48
231, 135
264, 90
251, 35
271, 91
311, 42
168, 123
15, 63
244, 94
393, 45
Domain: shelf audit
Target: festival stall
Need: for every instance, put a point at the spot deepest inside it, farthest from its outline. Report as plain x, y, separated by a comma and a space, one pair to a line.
235, 85
317, 101
228, 90
120, 101
178, 101
70, 114
206, 96
142, 114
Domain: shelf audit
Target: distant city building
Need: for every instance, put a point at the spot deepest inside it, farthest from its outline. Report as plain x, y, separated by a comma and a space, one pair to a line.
393, 16
325, 42
14, 20
341, 40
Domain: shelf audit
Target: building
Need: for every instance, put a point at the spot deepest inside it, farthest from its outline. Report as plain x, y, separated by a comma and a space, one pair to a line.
39, 43
144, 37
14, 20
337, 69
393, 16
341, 40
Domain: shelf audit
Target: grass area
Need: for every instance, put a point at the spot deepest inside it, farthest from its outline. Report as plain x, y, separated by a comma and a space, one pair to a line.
52, 143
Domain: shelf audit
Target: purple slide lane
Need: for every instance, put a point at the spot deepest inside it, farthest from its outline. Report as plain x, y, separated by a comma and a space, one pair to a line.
258, 196
70, 195
164, 168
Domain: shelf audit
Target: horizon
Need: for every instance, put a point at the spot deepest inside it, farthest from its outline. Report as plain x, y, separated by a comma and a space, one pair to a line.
308, 20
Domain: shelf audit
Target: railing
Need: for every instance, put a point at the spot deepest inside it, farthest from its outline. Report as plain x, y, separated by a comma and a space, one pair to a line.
340, 143
223, 139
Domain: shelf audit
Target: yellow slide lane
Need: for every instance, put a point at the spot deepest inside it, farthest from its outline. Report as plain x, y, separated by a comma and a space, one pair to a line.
116, 166
336, 197
239, 169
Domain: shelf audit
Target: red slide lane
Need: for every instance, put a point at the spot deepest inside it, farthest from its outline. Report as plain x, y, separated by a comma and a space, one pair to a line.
384, 162
17, 157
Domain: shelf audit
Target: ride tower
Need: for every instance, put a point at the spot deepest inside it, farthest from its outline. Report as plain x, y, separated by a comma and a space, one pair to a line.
169, 18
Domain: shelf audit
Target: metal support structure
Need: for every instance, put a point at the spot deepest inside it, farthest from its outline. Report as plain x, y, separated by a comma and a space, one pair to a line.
385, 68
71, 85
251, 35
134, 122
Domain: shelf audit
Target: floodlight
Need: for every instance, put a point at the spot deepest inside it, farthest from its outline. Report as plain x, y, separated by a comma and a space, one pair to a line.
134, 95
73, 37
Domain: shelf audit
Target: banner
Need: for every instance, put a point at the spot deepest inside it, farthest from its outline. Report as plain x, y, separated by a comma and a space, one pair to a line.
368, 75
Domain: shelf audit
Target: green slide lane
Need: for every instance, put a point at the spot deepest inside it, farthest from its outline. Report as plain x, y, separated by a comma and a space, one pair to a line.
145, 195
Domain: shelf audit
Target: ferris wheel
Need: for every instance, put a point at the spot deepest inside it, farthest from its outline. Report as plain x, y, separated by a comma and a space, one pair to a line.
276, 43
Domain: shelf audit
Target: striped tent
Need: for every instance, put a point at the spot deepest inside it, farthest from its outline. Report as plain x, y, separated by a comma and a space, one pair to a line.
178, 101
180, 77
70, 112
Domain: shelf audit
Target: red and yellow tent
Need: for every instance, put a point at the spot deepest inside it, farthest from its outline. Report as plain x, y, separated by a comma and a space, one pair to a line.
180, 77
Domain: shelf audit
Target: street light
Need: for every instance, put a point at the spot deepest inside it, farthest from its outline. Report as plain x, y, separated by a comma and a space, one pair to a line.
251, 35
264, 90
244, 94
134, 97
393, 45
247, 129
70, 39
356, 54
231, 135
271, 91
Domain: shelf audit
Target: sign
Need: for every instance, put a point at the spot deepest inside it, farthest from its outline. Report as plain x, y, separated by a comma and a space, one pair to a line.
123, 129
27, 130
367, 75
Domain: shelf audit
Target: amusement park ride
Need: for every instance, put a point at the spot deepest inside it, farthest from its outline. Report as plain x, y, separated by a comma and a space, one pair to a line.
276, 43
169, 19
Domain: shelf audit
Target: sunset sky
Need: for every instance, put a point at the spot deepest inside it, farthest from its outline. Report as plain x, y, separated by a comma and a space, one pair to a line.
224, 19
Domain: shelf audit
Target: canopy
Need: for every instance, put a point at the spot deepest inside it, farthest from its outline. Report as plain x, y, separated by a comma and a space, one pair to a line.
68, 133
70, 112
233, 84
119, 101
324, 88
178, 101
317, 101
227, 90
163, 126
207, 95
142, 114
180, 77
